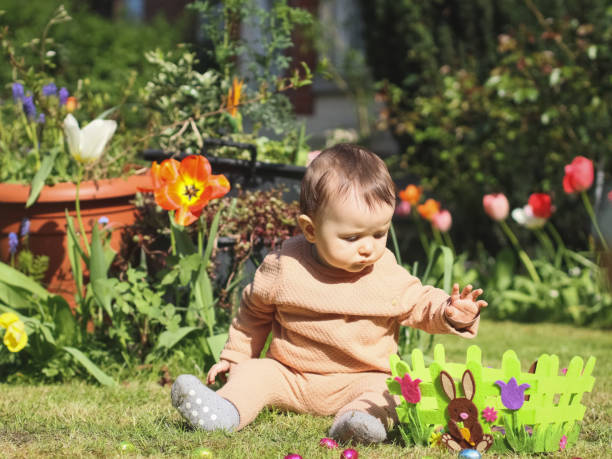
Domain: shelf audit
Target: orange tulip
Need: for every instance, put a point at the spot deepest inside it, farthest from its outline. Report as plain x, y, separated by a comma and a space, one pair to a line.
411, 194
186, 187
71, 104
429, 209
233, 96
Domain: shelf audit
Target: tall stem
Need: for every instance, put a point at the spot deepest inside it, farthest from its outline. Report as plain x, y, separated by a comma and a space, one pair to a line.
422, 236
448, 241
398, 256
77, 205
589, 209
521, 253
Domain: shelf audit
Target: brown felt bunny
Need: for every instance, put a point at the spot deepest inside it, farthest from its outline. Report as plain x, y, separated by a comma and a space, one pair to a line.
462, 409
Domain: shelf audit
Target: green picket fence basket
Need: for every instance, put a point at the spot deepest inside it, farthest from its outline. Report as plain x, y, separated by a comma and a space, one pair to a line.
553, 409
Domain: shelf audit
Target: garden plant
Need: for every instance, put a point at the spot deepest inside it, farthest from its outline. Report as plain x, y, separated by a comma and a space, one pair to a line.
504, 126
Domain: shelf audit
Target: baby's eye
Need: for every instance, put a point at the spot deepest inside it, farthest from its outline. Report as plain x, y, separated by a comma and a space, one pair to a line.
350, 238
380, 235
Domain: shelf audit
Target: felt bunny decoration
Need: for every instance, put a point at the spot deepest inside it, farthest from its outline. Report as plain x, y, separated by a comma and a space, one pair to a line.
463, 410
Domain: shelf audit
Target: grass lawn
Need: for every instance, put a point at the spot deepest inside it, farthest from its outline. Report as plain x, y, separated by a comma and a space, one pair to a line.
83, 420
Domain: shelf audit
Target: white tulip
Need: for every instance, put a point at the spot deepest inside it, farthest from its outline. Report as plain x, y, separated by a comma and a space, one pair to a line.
87, 144
524, 217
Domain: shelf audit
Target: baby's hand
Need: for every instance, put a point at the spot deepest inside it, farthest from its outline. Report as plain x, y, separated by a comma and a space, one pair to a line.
464, 307
222, 367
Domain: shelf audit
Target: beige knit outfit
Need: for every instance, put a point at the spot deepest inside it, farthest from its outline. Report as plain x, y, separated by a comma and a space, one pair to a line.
333, 333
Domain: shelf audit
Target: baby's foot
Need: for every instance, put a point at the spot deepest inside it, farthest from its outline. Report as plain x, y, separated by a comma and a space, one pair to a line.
201, 406
359, 427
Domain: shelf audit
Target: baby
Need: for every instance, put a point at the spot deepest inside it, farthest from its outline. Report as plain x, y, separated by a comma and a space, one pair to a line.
333, 299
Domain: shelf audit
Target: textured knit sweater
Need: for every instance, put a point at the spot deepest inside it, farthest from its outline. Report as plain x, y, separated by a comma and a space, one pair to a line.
326, 320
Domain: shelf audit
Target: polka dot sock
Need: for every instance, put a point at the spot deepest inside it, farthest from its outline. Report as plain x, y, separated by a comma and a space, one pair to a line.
201, 406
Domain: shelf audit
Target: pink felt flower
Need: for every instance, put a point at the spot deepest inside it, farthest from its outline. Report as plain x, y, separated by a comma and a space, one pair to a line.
563, 443
410, 388
496, 206
563, 371
442, 221
489, 414
578, 175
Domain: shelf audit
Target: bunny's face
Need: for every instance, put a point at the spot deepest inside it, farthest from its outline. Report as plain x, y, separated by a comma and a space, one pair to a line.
462, 410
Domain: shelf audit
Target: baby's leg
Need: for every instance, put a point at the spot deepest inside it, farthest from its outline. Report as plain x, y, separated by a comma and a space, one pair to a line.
256, 383
368, 415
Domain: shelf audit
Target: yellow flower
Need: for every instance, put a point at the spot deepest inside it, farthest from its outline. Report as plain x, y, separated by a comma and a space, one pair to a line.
15, 337
434, 439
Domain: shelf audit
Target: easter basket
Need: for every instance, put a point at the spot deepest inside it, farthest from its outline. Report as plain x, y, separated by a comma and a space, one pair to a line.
492, 409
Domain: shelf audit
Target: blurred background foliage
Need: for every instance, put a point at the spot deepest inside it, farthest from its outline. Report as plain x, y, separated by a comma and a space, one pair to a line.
494, 96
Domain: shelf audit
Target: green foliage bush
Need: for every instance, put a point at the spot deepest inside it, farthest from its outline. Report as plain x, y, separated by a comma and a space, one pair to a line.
493, 96
108, 53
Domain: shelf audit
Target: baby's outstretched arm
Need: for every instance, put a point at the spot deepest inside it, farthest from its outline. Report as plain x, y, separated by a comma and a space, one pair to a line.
464, 306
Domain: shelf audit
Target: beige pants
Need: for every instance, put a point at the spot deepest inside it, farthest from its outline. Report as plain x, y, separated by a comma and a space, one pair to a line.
256, 383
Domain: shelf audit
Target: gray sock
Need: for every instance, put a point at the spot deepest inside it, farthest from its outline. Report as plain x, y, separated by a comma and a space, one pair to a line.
359, 427
201, 406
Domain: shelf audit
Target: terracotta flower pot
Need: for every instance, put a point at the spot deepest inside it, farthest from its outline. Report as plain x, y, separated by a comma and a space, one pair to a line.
102, 198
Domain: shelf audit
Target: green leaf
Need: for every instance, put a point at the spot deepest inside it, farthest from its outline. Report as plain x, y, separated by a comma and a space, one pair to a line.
15, 278
91, 367
216, 344
104, 291
168, 339
66, 326
41, 175
212, 235
97, 262
14, 297
184, 244
204, 298
504, 268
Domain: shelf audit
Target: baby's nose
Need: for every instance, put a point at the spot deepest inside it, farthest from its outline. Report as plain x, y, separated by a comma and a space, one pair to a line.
464, 416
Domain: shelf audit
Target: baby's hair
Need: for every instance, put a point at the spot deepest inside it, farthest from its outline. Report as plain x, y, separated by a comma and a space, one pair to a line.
342, 169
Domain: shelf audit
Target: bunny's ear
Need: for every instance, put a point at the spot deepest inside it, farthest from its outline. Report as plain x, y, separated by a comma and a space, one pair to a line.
469, 386
448, 386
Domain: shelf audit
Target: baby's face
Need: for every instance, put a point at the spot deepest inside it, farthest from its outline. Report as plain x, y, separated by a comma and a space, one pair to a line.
349, 235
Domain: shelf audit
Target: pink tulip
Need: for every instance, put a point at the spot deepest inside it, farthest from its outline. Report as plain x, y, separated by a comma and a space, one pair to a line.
442, 221
311, 156
403, 208
496, 206
578, 175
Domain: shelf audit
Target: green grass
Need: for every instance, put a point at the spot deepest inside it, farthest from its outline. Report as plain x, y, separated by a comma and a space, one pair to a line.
82, 420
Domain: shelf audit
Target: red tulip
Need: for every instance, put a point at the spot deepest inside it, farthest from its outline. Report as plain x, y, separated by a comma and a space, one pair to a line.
496, 206
540, 205
578, 175
442, 221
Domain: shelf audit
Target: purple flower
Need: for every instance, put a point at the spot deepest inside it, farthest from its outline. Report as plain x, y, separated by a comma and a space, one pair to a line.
512, 394
25, 227
41, 118
63, 95
103, 220
28, 107
17, 92
49, 90
13, 242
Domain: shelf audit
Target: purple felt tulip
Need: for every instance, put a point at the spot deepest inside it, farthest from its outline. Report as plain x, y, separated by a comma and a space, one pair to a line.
512, 394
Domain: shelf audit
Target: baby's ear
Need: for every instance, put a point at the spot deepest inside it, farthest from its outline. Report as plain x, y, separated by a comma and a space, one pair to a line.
308, 227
